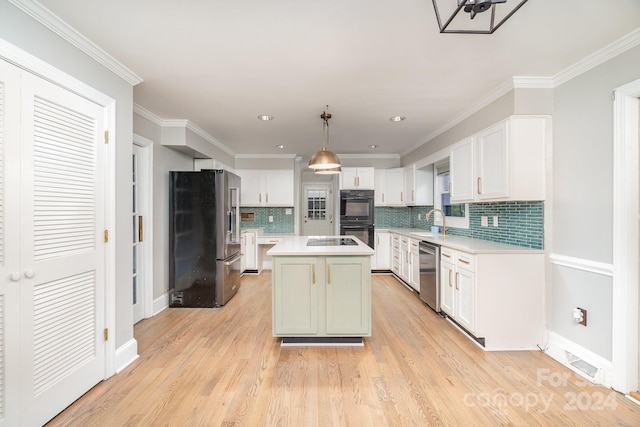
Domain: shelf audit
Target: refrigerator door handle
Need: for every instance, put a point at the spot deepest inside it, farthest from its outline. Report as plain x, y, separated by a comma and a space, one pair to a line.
231, 261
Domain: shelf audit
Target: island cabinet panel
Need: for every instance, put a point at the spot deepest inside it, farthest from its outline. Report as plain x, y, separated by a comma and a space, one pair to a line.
295, 298
322, 296
348, 296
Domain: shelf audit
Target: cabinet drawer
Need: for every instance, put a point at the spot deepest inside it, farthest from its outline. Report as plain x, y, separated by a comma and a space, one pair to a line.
447, 254
415, 246
269, 240
465, 261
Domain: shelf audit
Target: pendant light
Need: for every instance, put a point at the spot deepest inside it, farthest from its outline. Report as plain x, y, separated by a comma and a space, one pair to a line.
331, 171
325, 159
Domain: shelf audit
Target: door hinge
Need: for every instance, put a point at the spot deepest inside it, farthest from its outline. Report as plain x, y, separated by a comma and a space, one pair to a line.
106, 334
106, 236
106, 136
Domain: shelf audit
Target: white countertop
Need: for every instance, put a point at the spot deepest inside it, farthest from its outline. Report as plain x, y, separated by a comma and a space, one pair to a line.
466, 244
297, 245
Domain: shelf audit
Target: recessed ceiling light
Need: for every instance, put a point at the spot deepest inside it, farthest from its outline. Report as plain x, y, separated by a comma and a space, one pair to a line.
265, 117
281, 146
373, 146
397, 118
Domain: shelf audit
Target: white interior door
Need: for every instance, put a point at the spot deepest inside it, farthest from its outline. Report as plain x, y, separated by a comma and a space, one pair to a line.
52, 286
317, 210
10, 273
139, 217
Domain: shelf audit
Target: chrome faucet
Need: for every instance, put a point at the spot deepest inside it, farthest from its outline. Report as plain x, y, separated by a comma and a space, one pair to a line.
444, 219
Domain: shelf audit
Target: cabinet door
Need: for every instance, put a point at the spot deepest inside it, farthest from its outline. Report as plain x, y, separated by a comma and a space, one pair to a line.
395, 187
409, 186
348, 284
366, 178
414, 273
243, 261
492, 160
380, 187
250, 254
279, 188
462, 172
295, 295
404, 259
465, 299
447, 288
348, 179
251, 188
383, 250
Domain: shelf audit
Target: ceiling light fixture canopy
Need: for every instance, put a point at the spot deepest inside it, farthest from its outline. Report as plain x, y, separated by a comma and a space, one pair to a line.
501, 10
324, 159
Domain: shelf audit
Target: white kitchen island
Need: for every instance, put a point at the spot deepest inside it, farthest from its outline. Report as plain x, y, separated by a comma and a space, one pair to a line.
321, 289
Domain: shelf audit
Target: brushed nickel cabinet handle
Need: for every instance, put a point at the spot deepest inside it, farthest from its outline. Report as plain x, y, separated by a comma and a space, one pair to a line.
479, 185
313, 273
267, 197
401, 197
457, 280
140, 235
328, 274
463, 260
450, 285
260, 197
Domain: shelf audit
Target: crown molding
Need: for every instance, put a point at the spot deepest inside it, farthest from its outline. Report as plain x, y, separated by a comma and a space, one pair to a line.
181, 123
267, 156
68, 33
529, 82
601, 56
368, 156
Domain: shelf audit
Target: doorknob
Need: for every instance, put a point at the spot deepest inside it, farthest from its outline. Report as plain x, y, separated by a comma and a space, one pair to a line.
29, 274
15, 276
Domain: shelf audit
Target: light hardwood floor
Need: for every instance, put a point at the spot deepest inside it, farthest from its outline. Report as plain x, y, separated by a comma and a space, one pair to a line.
222, 367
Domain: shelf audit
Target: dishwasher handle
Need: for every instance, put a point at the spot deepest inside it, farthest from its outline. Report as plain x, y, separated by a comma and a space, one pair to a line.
428, 248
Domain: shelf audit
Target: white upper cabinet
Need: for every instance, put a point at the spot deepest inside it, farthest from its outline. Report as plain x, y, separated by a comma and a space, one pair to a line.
395, 187
357, 179
503, 162
380, 187
266, 187
418, 186
461, 172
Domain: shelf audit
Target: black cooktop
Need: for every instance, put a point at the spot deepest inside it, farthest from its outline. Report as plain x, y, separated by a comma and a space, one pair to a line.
331, 241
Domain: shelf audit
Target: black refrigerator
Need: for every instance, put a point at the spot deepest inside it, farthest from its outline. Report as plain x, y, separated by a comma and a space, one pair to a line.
204, 238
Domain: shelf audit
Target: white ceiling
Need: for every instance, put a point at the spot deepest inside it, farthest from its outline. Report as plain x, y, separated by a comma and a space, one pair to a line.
220, 63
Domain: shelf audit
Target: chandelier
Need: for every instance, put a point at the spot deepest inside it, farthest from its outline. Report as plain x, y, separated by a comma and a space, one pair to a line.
478, 17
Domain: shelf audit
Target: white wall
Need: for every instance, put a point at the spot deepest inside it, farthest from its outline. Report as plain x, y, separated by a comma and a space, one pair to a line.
22, 31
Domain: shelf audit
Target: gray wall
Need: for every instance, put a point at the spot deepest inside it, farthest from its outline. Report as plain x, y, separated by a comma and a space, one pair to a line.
22, 31
582, 198
164, 160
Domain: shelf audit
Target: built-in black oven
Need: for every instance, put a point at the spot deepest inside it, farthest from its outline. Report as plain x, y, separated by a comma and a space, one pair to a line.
356, 206
364, 232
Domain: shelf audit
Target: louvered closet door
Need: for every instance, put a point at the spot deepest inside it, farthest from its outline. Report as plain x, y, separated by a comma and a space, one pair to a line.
62, 248
10, 274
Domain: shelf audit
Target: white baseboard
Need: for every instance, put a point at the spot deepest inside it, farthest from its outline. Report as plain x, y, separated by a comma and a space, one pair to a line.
559, 346
160, 303
126, 354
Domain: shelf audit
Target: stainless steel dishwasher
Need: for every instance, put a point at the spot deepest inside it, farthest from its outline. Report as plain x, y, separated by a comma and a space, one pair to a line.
430, 275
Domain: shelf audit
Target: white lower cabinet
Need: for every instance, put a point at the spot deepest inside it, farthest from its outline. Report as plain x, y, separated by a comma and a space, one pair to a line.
321, 296
382, 259
395, 254
498, 298
250, 250
414, 264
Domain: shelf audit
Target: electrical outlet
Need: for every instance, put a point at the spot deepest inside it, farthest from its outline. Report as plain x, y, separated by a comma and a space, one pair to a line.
495, 221
270, 218
584, 316
419, 217
484, 221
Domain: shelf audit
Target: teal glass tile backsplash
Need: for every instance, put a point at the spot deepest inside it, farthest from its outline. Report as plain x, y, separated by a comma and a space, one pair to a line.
282, 223
519, 223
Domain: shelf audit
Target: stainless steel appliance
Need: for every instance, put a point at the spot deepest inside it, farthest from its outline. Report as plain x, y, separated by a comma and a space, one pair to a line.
356, 206
430, 275
204, 238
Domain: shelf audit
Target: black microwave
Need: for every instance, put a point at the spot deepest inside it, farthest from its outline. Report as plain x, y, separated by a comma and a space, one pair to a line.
356, 206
